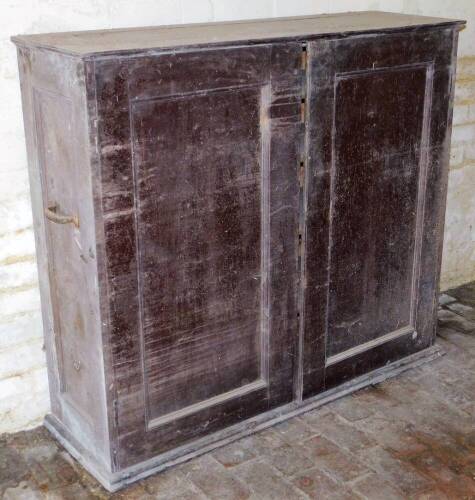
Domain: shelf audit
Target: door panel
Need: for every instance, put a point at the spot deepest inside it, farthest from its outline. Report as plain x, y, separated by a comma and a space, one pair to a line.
71, 318
370, 209
374, 208
200, 154
200, 218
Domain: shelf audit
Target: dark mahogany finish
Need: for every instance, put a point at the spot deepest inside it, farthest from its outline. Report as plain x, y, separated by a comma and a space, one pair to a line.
201, 254
248, 223
379, 121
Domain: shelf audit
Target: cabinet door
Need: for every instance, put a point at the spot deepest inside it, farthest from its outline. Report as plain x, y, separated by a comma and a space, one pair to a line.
379, 112
199, 157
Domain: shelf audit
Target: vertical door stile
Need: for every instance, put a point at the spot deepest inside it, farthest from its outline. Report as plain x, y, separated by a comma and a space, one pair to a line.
303, 192
264, 120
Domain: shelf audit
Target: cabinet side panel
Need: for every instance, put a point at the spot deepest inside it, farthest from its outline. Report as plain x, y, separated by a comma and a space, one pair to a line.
57, 135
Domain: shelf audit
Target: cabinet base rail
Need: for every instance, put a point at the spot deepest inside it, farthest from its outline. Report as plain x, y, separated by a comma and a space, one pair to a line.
115, 481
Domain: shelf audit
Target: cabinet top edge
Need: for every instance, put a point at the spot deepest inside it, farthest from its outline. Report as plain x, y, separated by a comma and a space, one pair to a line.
96, 43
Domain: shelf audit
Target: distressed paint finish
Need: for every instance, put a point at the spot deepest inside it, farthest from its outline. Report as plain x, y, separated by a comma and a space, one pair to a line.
259, 222
139, 40
202, 248
379, 115
55, 103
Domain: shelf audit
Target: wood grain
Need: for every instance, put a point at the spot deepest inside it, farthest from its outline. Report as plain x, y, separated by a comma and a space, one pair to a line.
261, 210
369, 196
126, 41
201, 244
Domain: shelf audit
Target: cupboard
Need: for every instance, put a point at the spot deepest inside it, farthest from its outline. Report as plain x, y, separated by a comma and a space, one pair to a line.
235, 222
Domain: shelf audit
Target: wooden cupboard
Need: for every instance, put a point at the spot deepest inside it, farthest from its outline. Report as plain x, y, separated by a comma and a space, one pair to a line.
235, 222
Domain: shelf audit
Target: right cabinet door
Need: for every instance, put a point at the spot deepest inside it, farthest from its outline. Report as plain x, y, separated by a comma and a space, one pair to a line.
379, 110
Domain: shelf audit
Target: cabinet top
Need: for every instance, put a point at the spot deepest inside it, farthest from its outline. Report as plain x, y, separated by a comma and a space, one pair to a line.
133, 40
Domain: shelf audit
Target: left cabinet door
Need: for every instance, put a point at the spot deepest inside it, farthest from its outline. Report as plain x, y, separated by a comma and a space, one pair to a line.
199, 164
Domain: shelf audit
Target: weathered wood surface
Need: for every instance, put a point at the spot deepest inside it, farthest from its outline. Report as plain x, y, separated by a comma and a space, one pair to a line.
258, 223
87, 43
379, 118
200, 156
59, 163
124, 477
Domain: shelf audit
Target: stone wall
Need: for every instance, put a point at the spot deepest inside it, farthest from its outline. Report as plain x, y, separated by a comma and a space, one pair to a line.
23, 382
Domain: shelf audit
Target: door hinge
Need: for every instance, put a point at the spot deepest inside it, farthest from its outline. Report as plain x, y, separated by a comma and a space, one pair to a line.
302, 110
301, 174
303, 67
116, 413
303, 58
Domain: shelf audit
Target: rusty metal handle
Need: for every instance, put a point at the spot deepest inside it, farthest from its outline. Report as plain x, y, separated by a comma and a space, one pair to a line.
52, 215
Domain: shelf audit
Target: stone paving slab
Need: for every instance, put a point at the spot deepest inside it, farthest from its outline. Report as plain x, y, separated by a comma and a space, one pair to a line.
411, 437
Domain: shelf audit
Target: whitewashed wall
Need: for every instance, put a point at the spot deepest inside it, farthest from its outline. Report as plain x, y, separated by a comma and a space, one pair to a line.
23, 383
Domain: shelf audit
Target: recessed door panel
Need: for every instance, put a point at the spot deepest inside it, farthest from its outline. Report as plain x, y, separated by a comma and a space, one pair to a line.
71, 317
200, 220
374, 210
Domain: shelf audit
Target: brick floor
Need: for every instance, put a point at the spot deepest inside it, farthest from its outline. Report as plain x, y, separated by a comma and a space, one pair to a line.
411, 437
